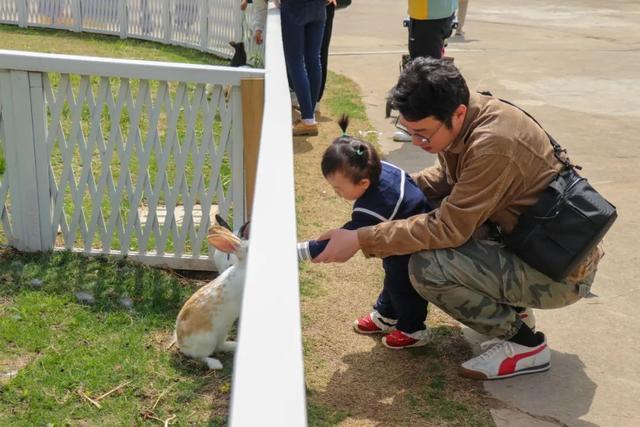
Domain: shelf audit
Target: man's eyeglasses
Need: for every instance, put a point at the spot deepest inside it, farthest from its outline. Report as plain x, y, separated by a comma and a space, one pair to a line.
415, 135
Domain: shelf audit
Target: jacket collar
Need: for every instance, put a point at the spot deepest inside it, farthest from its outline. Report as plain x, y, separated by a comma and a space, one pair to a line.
473, 109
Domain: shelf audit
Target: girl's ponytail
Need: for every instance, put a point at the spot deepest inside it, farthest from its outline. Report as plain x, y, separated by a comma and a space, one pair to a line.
344, 124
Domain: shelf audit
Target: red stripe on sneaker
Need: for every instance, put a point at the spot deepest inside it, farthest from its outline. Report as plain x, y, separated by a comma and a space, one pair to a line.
508, 365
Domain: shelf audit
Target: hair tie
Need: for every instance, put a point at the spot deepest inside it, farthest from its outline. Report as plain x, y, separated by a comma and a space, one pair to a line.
344, 134
359, 151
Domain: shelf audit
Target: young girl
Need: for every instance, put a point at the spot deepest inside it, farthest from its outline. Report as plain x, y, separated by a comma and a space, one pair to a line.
382, 192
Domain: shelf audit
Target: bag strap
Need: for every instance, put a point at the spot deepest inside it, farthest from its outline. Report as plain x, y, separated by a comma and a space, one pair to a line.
558, 151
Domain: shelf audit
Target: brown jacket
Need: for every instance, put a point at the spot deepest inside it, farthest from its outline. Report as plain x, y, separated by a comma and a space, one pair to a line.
496, 167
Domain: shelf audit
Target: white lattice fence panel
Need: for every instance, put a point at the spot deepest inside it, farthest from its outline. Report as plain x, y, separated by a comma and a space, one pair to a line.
102, 15
185, 21
6, 234
8, 11
121, 147
146, 18
50, 13
225, 25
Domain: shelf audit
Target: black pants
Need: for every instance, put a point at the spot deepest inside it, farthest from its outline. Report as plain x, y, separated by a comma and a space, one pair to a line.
427, 36
324, 51
398, 299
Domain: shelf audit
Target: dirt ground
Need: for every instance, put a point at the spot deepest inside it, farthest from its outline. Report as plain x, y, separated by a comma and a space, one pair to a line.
354, 378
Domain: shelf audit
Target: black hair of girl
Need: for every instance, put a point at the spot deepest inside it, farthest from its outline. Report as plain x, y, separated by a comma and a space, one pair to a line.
354, 158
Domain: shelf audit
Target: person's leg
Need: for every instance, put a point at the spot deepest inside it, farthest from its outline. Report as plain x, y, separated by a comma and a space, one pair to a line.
293, 45
324, 51
481, 283
407, 305
462, 14
312, 45
426, 36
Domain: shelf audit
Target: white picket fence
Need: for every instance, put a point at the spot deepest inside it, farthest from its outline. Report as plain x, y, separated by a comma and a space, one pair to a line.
208, 25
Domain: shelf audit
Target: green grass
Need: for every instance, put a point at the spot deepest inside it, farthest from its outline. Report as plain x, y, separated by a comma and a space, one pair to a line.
344, 98
439, 406
320, 416
87, 44
56, 41
59, 346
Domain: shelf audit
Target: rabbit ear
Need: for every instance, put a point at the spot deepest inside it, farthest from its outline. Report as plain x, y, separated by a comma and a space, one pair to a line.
223, 239
243, 233
222, 222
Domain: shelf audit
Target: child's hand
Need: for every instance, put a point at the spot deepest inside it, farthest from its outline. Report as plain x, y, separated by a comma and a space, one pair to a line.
343, 244
244, 4
258, 37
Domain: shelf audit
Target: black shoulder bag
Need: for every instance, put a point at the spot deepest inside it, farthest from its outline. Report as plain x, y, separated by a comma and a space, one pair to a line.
564, 225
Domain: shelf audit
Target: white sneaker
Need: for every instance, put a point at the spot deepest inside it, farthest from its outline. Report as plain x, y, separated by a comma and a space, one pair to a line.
401, 136
528, 318
507, 359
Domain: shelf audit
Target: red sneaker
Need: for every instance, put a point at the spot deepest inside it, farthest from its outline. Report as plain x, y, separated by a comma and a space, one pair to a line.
374, 323
398, 340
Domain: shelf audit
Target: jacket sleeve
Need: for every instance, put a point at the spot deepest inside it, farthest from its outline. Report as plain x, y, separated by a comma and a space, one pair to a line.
484, 186
312, 248
433, 181
360, 219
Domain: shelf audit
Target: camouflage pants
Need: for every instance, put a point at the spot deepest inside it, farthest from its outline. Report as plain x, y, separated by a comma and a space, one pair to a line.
481, 282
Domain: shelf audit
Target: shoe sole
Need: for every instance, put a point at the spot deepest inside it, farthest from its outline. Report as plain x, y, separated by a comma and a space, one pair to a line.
417, 344
360, 331
475, 375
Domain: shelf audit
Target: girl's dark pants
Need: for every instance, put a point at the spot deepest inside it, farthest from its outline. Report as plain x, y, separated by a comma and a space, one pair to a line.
398, 299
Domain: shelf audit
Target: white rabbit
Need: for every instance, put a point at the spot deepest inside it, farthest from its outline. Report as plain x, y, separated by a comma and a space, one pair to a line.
205, 319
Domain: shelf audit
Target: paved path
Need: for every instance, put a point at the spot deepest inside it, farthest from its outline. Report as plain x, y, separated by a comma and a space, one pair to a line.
575, 66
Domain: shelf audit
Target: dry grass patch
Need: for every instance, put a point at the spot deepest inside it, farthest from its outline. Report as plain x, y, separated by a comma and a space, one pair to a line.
353, 379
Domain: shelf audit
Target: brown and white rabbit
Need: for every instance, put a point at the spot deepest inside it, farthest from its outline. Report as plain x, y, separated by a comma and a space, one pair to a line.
205, 319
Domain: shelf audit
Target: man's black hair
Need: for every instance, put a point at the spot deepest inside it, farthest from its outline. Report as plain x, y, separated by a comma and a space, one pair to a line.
429, 87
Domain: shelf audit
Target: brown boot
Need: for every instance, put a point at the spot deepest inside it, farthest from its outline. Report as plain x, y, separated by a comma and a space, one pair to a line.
302, 129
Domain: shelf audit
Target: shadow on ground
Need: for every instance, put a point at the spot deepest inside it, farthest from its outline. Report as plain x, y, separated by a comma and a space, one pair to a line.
381, 385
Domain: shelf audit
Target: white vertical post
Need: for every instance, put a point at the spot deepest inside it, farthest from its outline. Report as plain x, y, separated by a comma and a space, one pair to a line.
76, 12
123, 19
23, 13
166, 20
204, 23
24, 132
237, 158
41, 158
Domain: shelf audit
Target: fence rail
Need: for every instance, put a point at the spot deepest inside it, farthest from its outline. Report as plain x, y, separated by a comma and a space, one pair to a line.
206, 25
268, 382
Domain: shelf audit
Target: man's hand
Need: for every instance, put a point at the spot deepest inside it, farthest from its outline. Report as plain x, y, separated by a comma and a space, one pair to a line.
333, 2
244, 4
343, 244
258, 37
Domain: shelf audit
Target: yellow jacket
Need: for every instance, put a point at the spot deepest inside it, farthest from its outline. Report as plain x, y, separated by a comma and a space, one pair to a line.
432, 9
